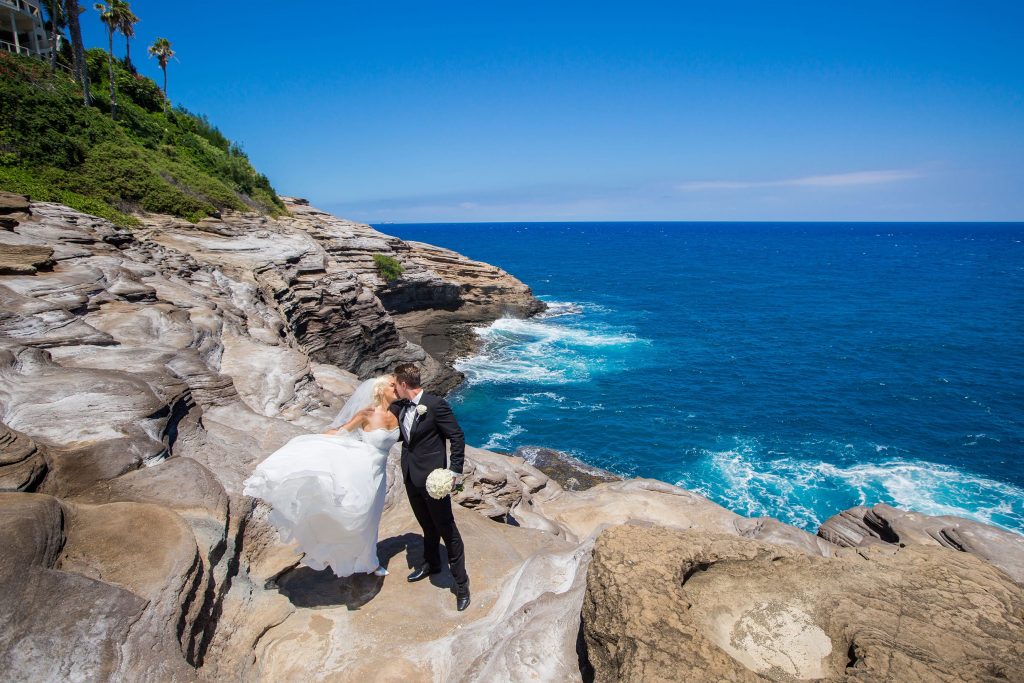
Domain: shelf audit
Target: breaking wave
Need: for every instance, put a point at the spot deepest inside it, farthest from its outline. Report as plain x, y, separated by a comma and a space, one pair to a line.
547, 350
803, 492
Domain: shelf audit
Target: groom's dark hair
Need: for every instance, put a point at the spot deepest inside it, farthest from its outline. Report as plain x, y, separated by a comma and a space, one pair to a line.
408, 374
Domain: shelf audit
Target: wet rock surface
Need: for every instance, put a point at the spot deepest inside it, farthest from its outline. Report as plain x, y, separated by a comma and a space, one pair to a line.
571, 473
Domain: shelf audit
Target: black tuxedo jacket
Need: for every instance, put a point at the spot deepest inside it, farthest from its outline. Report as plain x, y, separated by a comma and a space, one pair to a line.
424, 450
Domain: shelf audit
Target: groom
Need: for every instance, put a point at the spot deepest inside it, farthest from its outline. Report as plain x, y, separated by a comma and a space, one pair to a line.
425, 422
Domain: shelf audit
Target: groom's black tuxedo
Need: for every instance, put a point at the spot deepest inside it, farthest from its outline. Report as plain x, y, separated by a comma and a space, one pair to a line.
423, 451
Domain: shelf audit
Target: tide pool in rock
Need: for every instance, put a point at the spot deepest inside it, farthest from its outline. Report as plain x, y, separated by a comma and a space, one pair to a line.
791, 370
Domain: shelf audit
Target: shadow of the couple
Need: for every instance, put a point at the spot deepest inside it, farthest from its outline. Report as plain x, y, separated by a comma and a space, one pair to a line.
306, 587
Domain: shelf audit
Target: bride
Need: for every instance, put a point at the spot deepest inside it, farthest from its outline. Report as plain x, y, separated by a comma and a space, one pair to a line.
327, 490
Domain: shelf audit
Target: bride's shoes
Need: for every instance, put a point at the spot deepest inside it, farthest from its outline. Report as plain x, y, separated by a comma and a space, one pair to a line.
380, 571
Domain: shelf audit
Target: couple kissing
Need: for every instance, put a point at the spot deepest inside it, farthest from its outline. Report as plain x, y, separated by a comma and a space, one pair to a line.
326, 491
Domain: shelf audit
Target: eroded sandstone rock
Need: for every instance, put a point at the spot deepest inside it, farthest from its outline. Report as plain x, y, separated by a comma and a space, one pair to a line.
667, 605
24, 259
63, 624
143, 375
14, 208
22, 462
11, 203
862, 527
568, 471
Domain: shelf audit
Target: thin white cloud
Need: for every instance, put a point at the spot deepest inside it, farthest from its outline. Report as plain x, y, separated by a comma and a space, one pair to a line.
853, 179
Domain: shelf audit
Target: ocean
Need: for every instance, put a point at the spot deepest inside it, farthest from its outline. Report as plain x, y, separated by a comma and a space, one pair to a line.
783, 369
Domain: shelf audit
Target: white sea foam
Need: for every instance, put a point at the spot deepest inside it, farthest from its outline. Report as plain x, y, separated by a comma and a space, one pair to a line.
497, 368
504, 440
753, 482
546, 333
542, 351
558, 309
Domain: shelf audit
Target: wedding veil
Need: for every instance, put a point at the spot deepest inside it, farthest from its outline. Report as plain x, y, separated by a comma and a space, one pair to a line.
361, 398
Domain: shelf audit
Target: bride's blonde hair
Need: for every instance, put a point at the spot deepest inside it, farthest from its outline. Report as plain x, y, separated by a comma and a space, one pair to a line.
379, 387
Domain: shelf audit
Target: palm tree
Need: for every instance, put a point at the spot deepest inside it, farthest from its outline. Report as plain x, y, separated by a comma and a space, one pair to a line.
71, 11
116, 15
108, 15
161, 49
57, 22
125, 23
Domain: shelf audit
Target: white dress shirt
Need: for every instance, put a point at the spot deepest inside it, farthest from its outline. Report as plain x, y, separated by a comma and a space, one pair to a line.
410, 415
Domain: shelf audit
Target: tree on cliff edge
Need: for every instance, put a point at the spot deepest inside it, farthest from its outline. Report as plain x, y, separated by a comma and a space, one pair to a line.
71, 11
114, 16
58, 20
161, 49
126, 21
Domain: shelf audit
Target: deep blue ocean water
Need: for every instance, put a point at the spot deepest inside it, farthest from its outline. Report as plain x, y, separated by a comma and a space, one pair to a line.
782, 369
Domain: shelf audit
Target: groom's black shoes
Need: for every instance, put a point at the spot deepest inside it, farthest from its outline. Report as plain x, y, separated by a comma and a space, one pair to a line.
462, 597
421, 572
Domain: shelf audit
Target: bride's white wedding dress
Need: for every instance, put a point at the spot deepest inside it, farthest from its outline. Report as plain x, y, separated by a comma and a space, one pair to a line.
327, 493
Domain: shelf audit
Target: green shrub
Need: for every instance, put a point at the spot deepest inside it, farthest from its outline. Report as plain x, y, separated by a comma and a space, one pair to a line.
129, 178
175, 163
41, 188
140, 90
45, 124
388, 268
201, 126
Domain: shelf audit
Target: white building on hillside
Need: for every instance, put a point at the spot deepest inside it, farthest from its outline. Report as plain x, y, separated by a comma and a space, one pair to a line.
22, 28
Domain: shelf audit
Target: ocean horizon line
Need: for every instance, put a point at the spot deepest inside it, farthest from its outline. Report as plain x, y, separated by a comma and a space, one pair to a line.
700, 222
809, 367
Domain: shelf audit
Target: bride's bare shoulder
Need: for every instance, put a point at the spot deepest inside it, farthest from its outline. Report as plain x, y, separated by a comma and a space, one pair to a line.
381, 419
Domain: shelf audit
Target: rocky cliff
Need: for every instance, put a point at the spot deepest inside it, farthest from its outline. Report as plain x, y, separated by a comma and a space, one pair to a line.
143, 375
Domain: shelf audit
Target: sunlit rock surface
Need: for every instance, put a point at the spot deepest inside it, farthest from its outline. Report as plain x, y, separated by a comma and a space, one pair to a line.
145, 373
667, 605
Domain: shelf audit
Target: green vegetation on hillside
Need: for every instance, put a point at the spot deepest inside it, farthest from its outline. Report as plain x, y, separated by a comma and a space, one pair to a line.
54, 148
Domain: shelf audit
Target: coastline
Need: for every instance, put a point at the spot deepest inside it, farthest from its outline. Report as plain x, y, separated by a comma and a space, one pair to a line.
144, 374
785, 402
446, 337
437, 299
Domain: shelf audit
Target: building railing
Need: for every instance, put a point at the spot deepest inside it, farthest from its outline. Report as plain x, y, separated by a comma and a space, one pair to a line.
16, 49
23, 50
22, 6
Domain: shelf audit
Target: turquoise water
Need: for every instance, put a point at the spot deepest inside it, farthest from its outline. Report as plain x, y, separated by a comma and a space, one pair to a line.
791, 370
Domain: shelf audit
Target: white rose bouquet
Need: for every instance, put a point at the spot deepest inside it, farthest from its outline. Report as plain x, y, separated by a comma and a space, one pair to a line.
440, 483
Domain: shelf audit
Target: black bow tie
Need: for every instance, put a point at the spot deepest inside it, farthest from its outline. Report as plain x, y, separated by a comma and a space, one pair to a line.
404, 403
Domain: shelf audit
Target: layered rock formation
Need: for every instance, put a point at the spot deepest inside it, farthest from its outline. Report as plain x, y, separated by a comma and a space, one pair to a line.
884, 525
144, 374
439, 295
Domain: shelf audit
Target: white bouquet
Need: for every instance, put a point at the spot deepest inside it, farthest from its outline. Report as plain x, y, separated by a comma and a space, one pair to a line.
439, 483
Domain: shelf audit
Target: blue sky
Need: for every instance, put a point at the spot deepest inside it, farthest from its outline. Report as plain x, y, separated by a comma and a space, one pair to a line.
727, 110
